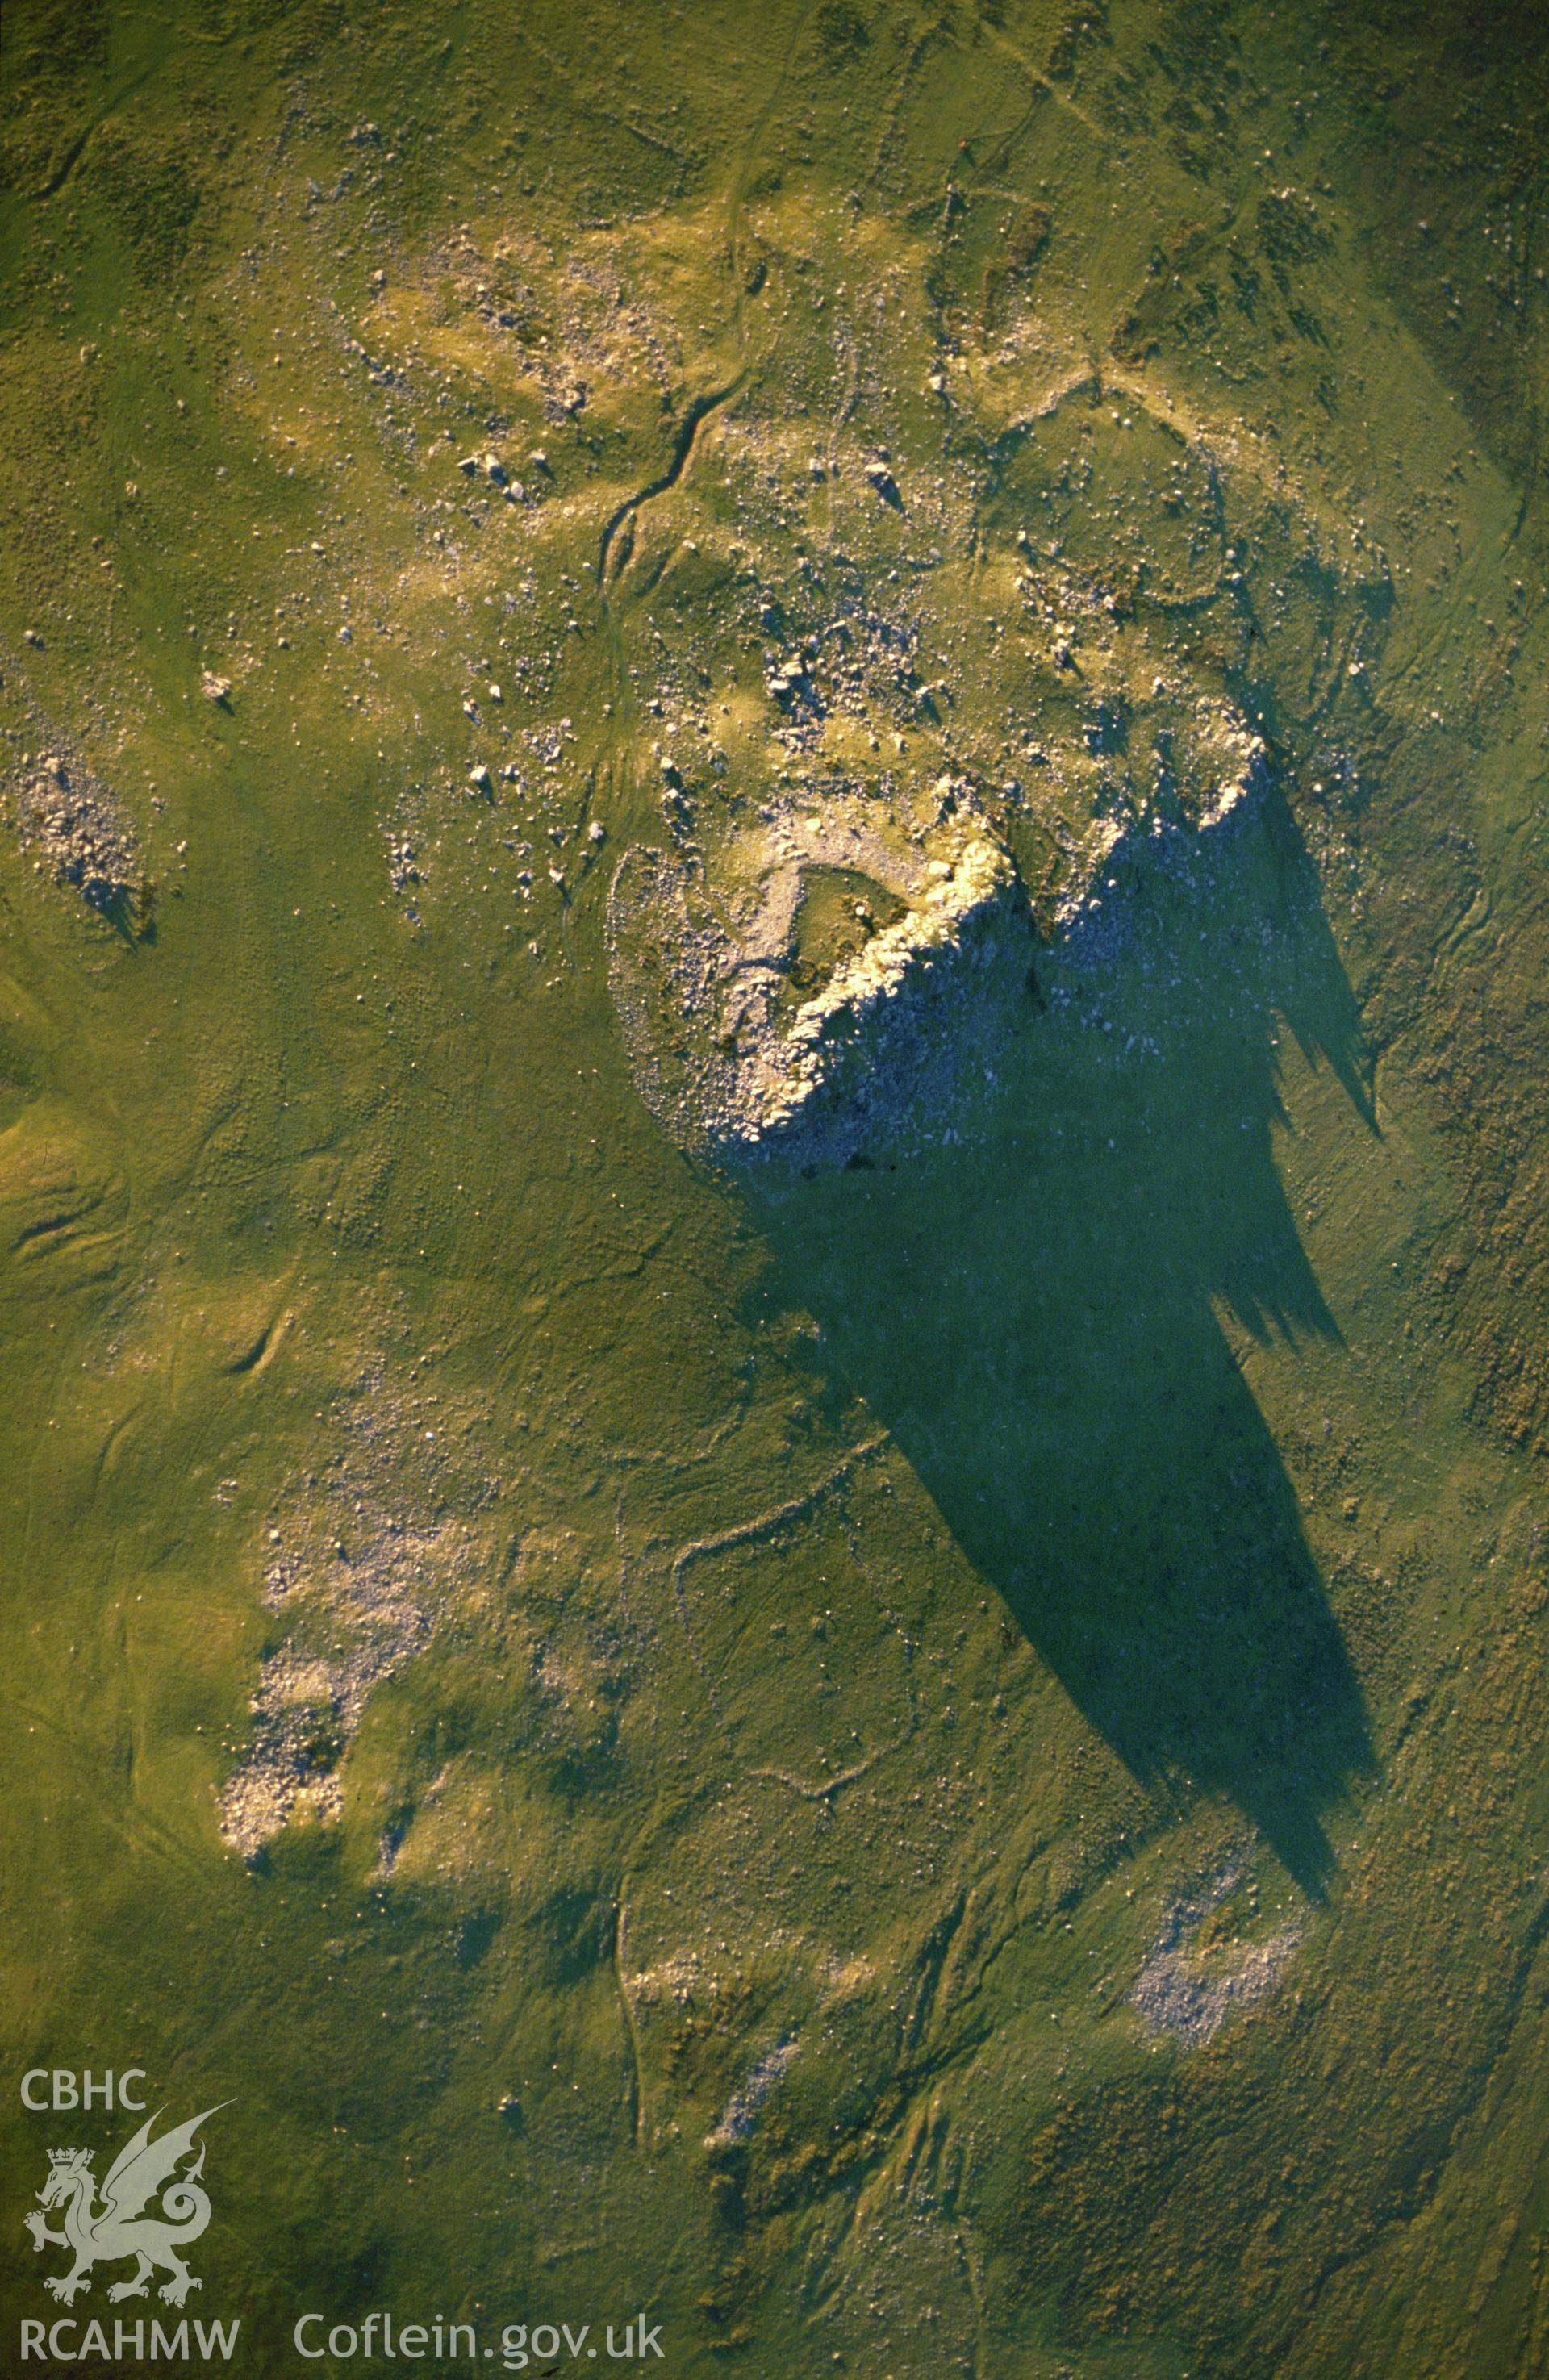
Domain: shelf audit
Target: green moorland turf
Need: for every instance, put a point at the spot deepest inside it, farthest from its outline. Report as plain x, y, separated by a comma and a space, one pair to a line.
935, 1768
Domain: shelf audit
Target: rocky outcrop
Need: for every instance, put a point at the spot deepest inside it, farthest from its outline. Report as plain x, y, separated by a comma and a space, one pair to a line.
810, 987
749, 1043
71, 822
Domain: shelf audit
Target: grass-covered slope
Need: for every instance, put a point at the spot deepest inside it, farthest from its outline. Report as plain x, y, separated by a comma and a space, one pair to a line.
930, 1766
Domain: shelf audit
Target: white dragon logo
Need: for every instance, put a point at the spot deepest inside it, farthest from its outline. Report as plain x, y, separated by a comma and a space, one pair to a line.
100, 2234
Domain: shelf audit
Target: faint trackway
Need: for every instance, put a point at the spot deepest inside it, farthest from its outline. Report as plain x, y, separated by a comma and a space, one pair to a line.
742, 180
54, 182
1044, 87
637, 2114
826, 1787
709, 1442
1047, 85
683, 448
747, 1532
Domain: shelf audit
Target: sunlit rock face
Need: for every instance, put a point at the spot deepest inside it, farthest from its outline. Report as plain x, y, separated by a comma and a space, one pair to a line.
811, 993
838, 973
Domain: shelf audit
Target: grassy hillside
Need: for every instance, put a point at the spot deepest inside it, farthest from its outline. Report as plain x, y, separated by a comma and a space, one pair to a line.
936, 1767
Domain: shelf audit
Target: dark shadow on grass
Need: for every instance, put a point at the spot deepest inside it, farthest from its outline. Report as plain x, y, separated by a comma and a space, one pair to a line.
1034, 1314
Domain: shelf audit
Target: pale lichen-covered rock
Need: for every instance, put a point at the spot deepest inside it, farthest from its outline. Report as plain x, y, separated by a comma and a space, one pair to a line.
814, 986
74, 824
772, 1011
